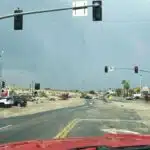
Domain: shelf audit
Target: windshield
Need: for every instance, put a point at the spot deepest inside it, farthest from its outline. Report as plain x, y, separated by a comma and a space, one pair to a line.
70, 74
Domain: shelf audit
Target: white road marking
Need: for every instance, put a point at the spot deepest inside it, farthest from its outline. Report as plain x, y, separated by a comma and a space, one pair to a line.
115, 131
113, 120
5, 127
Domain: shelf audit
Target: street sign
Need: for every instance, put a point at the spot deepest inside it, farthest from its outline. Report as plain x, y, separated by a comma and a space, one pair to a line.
80, 12
111, 68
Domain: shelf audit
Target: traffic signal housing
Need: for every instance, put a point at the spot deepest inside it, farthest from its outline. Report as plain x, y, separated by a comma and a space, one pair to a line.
106, 69
136, 69
3, 84
18, 19
97, 10
37, 86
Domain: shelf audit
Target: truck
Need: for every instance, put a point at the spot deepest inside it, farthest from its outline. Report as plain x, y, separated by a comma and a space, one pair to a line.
137, 95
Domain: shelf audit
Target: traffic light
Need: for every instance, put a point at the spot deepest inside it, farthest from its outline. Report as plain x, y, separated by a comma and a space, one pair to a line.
37, 86
97, 10
136, 69
3, 84
18, 20
106, 69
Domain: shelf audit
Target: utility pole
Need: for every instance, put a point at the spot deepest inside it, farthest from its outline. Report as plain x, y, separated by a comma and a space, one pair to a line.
1, 70
140, 83
32, 86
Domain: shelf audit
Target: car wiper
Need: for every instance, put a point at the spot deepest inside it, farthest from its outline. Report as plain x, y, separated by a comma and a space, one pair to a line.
141, 147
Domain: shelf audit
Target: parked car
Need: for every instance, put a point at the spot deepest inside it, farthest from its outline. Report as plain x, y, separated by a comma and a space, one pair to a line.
20, 101
6, 101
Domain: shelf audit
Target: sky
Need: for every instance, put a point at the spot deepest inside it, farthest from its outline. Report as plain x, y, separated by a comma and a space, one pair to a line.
65, 52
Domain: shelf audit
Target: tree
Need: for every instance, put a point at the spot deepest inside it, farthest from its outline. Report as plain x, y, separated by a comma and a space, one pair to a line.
123, 82
137, 90
118, 92
92, 92
131, 92
126, 87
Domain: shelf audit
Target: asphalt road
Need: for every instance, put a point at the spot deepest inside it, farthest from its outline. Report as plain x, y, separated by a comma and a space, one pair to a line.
87, 120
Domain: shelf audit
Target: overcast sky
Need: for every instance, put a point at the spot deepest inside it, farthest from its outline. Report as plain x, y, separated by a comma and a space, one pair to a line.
61, 51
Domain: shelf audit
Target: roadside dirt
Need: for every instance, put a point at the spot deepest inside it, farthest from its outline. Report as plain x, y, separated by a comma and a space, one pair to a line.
40, 107
140, 107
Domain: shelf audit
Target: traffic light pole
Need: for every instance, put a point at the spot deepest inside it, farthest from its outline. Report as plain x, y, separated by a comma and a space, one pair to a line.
114, 69
46, 11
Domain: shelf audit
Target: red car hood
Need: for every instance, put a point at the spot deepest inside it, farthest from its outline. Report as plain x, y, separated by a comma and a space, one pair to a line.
113, 140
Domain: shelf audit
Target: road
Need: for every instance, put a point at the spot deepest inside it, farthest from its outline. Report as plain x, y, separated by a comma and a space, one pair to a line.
87, 120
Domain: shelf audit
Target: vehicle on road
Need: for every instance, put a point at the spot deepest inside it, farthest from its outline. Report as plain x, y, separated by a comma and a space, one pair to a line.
20, 101
147, 97
137, 96
6, 101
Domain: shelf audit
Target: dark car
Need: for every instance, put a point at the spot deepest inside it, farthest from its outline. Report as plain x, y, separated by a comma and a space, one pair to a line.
20, 101
147, 97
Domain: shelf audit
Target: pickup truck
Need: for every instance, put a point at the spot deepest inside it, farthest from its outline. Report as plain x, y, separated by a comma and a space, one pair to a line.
137, 96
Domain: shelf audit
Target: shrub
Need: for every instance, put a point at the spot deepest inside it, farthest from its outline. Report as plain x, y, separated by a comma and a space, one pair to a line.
64, 96
83, 95
43, 94
92, 92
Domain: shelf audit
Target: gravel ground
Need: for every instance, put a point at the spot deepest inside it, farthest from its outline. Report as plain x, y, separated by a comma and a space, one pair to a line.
140, 107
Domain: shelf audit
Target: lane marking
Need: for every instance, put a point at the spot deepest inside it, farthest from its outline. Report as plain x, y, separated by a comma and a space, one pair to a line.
5, 127
115, 131
63, 133
117, 120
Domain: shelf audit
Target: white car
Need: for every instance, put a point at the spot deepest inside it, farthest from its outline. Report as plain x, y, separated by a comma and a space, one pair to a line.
6, 101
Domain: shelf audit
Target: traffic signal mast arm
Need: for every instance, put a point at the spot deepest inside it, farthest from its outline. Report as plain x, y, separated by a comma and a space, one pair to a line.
136, 69
123, 68
140, 70
144, 71
46, 11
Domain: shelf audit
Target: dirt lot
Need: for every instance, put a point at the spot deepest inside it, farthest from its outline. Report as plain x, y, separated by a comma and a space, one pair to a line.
33, 107
141, 107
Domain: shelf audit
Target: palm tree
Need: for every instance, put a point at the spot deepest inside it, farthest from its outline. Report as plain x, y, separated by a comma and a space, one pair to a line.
126, 86
122, 83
